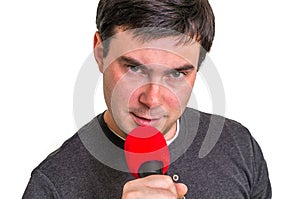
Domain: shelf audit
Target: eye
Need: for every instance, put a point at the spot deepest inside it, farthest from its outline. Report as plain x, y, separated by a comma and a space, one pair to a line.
177, 74
134, 68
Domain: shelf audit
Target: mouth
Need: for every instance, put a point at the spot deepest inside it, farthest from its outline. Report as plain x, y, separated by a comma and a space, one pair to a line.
145, 120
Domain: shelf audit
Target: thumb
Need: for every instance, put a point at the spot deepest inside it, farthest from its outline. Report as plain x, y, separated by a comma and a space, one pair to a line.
181, 189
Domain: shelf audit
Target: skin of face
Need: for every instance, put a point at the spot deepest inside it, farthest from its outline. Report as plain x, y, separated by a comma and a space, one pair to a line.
146, 83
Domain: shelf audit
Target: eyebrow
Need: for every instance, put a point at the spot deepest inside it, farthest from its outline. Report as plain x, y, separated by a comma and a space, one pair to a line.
184, 67
134, 62
129, 60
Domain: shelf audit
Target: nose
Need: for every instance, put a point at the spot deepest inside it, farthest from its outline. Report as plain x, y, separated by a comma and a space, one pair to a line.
151, 95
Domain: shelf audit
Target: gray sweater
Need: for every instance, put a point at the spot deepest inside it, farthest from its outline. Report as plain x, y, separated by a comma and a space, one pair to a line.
214, 156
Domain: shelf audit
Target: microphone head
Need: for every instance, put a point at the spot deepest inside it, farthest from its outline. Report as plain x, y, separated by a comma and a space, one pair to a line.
146, 152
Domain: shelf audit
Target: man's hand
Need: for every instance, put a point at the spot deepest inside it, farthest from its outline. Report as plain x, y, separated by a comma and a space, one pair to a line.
154, 186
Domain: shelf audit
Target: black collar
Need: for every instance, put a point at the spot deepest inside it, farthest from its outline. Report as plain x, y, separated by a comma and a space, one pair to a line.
109, 134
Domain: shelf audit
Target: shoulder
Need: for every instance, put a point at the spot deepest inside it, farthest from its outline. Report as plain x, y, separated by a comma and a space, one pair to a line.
223, 148
219, 131
64, 172
222, 123
213, 120
68, 159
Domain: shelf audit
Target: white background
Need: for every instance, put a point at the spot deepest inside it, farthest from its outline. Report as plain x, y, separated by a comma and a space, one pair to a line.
43, 45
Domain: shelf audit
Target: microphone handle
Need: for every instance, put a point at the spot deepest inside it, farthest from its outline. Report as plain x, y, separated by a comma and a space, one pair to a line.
152, 167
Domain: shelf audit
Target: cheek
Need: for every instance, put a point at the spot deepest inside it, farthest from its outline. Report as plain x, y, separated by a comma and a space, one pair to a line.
111, 87
109, 84
178, 100
179, 95
123, 93
172, 99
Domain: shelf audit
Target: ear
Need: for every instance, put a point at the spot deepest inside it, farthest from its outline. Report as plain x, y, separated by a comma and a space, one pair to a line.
98, 50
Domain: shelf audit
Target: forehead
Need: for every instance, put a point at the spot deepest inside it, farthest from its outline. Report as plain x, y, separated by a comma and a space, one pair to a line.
156, 50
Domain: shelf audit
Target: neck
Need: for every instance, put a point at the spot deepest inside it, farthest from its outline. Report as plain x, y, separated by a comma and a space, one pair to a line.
112, 125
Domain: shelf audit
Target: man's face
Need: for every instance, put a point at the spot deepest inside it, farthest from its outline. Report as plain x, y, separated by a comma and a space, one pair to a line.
147, 83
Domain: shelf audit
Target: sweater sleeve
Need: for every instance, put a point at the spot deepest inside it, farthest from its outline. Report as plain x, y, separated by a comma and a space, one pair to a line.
261, 188
40, 186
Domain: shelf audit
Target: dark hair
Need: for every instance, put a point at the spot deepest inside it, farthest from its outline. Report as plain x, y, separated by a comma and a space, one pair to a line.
193, 18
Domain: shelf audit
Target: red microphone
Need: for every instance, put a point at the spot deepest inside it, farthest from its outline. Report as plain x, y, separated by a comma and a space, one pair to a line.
146, 152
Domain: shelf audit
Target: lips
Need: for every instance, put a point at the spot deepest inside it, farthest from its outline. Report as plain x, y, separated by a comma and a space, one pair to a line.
143, 120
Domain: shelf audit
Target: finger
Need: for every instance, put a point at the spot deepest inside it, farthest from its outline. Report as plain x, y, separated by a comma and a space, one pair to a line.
148, 193
181, 189
161, 182
155, 184
158, 181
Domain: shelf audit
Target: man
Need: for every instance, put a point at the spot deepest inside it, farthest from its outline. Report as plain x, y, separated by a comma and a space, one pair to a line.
149, 52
